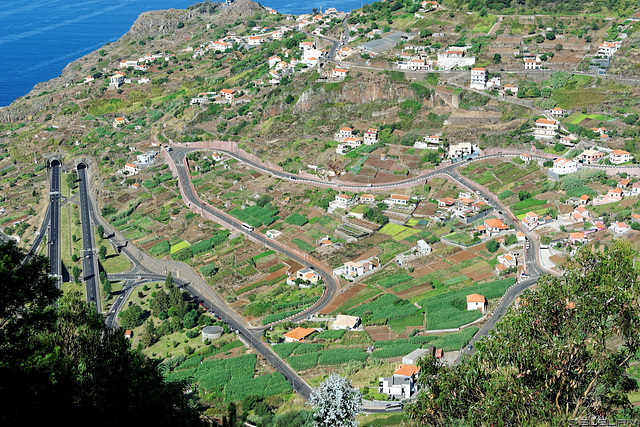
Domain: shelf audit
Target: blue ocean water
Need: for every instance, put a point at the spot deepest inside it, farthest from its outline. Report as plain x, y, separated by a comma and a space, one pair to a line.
40, 37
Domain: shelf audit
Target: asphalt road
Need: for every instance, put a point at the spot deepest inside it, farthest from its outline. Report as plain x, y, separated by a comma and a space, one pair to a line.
54, 222
531, 253
327, 276
88, 263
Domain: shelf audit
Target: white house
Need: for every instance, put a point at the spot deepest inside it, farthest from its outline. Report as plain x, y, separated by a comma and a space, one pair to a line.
371, 136
356, 268
398, 199
119, 121
564, 166
617, 157
367, 198
344, 132
274, 60
307, 45
145, 159
342, 201
461, 150
608, 48
402, 384
476, 302
339, 73
556, 112
510, 88
131, 169
116, 80
532, 64
545, 129
346, 322
127, 63
256, 40
479, 77
618, 227
228, 94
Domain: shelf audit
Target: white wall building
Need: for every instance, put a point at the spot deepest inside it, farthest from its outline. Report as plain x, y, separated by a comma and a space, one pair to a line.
564, 166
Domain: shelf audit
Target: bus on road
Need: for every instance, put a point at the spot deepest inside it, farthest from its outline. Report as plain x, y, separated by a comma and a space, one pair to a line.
247, 226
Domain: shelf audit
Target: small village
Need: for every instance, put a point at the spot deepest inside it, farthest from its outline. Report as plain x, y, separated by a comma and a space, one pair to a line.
423, 161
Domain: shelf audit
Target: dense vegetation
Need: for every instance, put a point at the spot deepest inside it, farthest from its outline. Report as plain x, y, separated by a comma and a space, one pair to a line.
61, 362
561, 355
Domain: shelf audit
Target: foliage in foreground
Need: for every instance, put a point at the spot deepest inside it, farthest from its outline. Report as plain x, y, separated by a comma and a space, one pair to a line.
61, 362
561, 355
336, 402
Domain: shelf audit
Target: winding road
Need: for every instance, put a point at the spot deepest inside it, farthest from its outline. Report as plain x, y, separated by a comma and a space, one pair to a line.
145, 269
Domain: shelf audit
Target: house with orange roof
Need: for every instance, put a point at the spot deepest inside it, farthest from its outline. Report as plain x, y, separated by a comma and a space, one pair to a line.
508, 260
402, 384
577, 237
131, 169
228, 94
617, 157
509, 88
608, 48
532, 64
531, 220
612, 196
619, 227
128, 333
308, 275
495, 225
298, 334
479, 78
119, 121
398, 199
116, 80
367, 198
256, 40
564, 166
344, 132
339, 73
352, 269
446, 202
371, 136
545, 129
635, 217
556, 112
477, 302
624, 183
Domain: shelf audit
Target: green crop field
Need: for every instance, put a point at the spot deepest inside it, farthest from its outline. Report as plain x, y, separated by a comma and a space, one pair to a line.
303, 245
179, 247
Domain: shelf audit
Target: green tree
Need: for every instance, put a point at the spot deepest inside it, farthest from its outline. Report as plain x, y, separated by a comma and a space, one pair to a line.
76, 273
102, 253
168, 282
492, 245
561, 355
131, 317
497, 58
100, 230
160, 303
60, 359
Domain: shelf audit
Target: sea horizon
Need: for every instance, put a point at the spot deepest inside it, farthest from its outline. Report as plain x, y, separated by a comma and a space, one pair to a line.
43, 36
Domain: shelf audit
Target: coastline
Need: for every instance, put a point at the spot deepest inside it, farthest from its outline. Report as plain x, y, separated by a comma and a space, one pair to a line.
47, 45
